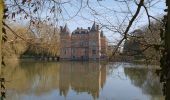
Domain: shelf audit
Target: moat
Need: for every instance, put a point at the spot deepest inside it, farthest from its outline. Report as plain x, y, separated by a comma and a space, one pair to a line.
32, 80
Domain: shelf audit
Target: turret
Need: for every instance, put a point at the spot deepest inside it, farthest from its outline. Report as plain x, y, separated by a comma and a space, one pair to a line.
101, 34
95, 27
94, 42
103, 42
65, 30
65, 40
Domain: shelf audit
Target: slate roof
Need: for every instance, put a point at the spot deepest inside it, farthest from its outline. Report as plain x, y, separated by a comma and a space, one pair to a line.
101, 34
80, 31
94, 28
66, 30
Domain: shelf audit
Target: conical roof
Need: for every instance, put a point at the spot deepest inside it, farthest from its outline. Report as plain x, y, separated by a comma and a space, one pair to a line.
66, 29
93, 27
101, 34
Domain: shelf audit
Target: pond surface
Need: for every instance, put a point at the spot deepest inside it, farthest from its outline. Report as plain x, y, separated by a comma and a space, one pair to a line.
32, 80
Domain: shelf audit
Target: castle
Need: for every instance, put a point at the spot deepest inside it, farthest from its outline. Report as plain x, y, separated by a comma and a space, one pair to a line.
82, 44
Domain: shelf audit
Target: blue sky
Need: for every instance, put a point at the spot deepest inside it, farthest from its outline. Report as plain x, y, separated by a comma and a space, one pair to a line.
112, 15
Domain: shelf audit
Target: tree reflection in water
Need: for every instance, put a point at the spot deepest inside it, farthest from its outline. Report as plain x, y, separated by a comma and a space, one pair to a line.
145, 79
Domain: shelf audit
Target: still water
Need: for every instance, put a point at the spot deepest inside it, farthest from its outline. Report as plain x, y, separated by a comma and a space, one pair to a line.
31, 80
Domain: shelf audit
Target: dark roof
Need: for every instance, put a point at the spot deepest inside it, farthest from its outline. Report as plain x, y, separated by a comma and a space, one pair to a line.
94, 27
80, 31
101, 34
66, 29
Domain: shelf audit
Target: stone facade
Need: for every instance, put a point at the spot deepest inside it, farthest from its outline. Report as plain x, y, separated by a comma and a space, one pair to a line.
83, 44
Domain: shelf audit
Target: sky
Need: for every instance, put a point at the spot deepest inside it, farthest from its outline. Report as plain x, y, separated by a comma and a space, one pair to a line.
111, 15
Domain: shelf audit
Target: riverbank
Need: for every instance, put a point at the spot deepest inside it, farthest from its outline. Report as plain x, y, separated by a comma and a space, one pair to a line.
133, 59
128, 59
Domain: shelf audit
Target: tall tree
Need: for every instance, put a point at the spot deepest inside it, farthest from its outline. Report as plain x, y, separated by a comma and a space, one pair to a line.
1, 26
166, 64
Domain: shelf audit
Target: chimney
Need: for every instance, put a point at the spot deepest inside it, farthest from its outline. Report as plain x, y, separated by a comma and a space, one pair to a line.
88, 28
97, 27
78, 28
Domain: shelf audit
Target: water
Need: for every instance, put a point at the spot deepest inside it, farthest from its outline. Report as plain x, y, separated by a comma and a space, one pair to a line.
32, 80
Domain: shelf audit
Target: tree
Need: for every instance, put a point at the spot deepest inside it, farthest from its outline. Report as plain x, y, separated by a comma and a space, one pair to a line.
45, 41
133, 45
143, 42
165, 58
1, 27
14, 46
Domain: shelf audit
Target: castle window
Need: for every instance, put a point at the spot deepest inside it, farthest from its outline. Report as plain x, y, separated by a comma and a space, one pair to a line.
86, 51
83, 32
81, 43
73, 51
65, 51
93, 51
93, 43
85, 43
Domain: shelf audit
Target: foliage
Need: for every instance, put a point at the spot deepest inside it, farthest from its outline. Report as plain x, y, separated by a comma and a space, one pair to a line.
42, 40
143, 42
15, 46
45, 41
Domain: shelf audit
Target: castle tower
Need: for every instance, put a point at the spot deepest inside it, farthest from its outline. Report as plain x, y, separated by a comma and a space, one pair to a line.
65, 41
103, 45
94, 42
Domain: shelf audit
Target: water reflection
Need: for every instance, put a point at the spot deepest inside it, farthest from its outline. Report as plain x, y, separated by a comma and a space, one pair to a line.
82, 77
80, 81
145, 79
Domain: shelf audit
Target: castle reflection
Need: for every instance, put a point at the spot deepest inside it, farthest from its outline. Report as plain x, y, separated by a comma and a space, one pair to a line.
82, 77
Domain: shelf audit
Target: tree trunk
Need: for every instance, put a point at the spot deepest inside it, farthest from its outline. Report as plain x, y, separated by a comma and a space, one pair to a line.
1, 18
167, 46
